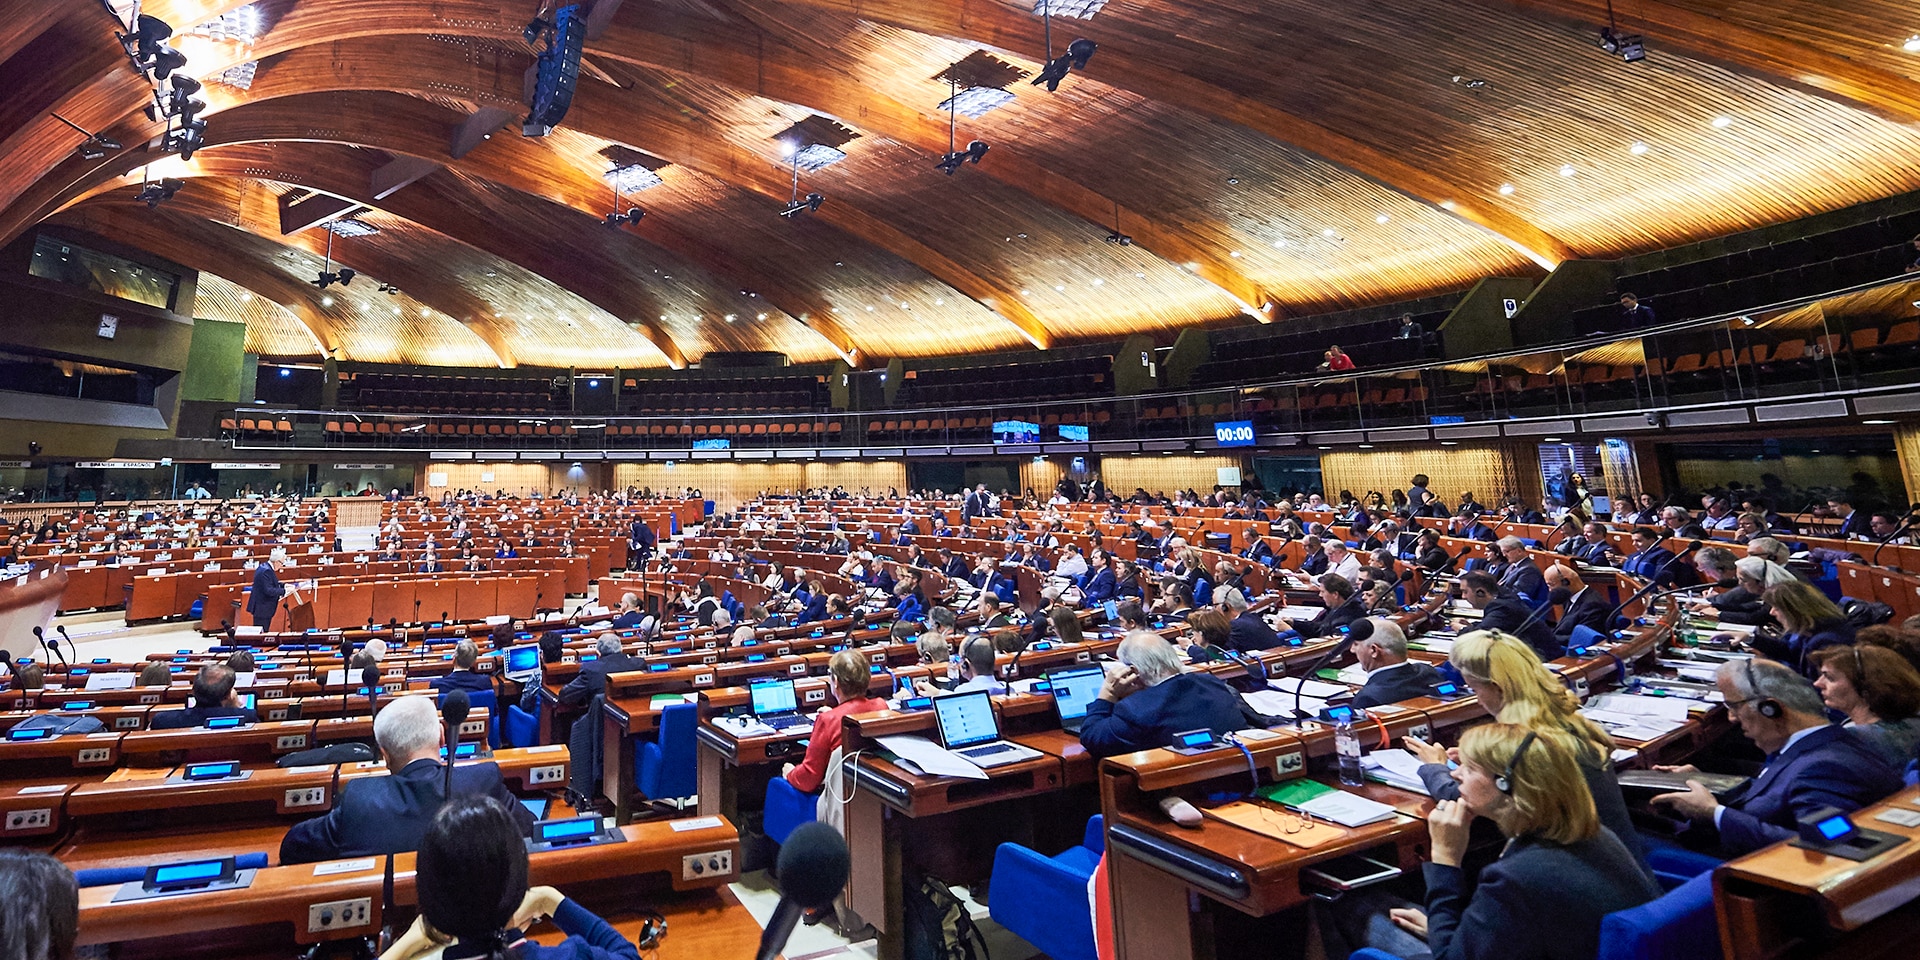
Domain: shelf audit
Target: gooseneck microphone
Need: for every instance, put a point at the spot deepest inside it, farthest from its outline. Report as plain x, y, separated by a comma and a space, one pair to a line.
812, 870
1653, 582
1361, 629
454, 712
370, 678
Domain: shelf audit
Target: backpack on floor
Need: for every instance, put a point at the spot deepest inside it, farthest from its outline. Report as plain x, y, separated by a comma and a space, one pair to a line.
938, 927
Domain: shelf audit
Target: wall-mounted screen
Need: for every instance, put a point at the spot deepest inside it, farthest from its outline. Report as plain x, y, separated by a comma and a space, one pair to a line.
1233, 433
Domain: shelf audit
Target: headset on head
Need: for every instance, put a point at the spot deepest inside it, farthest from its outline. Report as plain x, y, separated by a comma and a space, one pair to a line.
1767, 706
1504, 782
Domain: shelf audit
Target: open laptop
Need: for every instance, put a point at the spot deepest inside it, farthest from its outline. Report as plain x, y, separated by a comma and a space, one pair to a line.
969, 728
775, 704
523, 663
1074, 690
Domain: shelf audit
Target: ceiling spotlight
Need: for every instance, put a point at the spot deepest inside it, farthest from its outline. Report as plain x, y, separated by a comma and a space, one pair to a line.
1912, 45
154, 193
1471, 83
389, 289
185, 139
166, 62
1056, 68
633, 215
1639, 148
1631, 48
1080, 51
808, 204
146, 44
971, 154
342, 277
1120, 238
96, 146
534, 29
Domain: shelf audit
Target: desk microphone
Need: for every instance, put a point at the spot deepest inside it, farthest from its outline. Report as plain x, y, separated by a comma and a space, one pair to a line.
1361, 629
370, 677
1652, 582
454, 712
812, 870
52, 645
346, 658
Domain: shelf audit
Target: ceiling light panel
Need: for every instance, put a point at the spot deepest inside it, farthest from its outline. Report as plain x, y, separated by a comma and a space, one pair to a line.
633, 178
350, 227
244, 25
1078, 9
976, 102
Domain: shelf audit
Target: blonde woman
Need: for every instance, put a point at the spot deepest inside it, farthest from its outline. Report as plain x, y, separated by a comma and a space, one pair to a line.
1543, 898
1515, 687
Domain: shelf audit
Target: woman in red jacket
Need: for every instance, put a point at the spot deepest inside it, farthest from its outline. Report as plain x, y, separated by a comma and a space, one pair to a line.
848, 692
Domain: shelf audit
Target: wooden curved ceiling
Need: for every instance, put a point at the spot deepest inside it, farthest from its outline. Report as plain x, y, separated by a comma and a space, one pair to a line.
1268, 159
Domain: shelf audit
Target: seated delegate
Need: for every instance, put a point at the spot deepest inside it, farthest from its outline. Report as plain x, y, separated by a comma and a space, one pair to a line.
1149, 700
848, 671
213, 697
465, 674
1813, 764
1391, 677
1560, 872
389, 814
471, 879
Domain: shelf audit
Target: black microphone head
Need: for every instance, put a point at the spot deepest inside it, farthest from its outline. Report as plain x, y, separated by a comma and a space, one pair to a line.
39, 634
813, 865
1360, 630
1694, 544
454, 710
369, 677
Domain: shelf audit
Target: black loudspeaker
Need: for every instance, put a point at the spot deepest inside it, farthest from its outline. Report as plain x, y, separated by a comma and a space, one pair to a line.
557, 73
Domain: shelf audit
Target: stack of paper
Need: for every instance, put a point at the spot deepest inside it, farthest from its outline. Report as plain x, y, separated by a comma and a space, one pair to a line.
930, 758
1395, 768
1632, 717
1273, 703
1298, 613
1353, 674
1347, 809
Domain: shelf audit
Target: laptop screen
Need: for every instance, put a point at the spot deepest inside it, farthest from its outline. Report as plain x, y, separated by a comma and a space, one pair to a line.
523, 660
1074, 690
965, 719
773, 696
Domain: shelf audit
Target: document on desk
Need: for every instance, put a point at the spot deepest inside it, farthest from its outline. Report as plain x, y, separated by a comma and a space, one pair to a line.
931, 758
1395, 768
1292, 612
1273, 703
1662, 708
1348, 809
1311, 688
742, 727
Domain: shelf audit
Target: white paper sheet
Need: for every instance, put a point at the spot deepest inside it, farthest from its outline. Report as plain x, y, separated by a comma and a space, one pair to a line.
933, 759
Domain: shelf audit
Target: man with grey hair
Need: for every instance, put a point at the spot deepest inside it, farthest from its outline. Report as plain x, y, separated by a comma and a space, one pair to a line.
1516, 570
1149, 700
466, 673
1769, 548
263, 600
627, 615
1249, 632
591, 681
1391, 677
1812, 764
375, 815
1716, 566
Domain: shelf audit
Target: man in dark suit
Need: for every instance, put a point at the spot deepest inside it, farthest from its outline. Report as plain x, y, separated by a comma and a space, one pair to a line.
1650, 560
376, 815
1517, 572
264, 601
1343, 608
431, 564
592, 678
465, 675
1247, 631
953, 567
1590, 546
1811, 763
1100, 584
1391, 677
1853, 523
640, 539
1507, 613
627, 615
975, 504
213, 697
1634, 315
1150, 700
1582, 605
1258, 549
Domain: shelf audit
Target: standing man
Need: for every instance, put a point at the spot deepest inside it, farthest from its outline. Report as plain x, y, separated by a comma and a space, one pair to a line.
264, 601
640, 539
1634, 315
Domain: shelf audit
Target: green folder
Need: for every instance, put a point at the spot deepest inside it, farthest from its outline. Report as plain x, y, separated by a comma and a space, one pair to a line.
666, 700
1292, 793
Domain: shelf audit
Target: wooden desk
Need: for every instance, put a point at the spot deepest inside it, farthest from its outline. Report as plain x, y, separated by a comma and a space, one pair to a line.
33, 809
297, 791
1786, 901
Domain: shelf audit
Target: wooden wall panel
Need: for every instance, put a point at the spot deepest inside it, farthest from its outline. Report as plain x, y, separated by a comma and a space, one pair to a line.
1165, 474
1490, 471
519, 479
1906, 443
729, 484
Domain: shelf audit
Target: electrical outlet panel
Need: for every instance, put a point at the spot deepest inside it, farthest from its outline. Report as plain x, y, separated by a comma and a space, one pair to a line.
23, 820
543, 775
718, 863
306, 797
818, 695
1288, 763
92, 755
290, 741
126, 723
473, 728
149, 699
277, 714
339, 915
797, 670
782, 651
703, 679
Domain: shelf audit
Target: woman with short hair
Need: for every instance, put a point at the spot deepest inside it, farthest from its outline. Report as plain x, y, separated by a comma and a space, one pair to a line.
1809, 623
42, 918
1878, 691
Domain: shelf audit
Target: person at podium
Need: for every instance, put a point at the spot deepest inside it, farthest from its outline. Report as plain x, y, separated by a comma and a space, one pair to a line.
264, 599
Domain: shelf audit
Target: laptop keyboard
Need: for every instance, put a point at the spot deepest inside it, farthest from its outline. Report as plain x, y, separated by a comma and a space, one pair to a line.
981, 753
783, 722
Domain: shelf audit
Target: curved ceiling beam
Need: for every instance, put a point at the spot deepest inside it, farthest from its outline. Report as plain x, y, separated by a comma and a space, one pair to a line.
410, 126
207, 247
1128, 62
256, 211
1748, 50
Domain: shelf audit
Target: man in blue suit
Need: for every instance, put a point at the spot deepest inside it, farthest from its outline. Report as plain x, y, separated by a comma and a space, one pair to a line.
1651, 560
1811, 763
212, 698
1591, 547
1100, 584
1150, 700
466, 674
264, 601
1517, 571
1247, 632
1381, 650
640, 539
1258, 550
375, 815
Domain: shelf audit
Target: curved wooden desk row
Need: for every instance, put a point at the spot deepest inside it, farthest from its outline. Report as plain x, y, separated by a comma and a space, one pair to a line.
288, 895
50, 806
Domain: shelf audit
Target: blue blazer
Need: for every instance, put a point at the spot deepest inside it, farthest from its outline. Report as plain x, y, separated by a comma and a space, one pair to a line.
816, 610
1506, 614
1149, 718
1100, 586
267, 591
389, 814
1796, 649
1540, 899
1829, 767
466, 680
1259, 551
1249, 632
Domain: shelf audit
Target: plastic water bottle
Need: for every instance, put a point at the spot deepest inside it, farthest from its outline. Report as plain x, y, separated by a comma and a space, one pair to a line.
1347, 745
953, 666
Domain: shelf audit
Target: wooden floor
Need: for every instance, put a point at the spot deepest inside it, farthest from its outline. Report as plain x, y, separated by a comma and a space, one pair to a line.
700, 926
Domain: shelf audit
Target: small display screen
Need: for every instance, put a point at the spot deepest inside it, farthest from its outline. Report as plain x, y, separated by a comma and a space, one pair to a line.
228, 723
212, 771
77, 705
1196, 738
1072, 432
773, 696
1834, 828
918, 703
523, 659
189, 872
79, 672
570, 829
37, 733
756, 658
1338, 714
1446, 689
1233, 433
659, 667
102, 660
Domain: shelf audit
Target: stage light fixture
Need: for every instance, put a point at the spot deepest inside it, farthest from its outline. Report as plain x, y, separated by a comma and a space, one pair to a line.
389, 289
1056, 68
242, 25
96, 146
144, 40
810, 203
239, 77
186, 138
633, 215
155, 192
166, 62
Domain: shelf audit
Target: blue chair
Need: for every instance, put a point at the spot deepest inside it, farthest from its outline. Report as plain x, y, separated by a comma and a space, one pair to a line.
523, 728
787, 808
665, 767
1678, 926
114, 876
1043, 900
489, 700
1673, 864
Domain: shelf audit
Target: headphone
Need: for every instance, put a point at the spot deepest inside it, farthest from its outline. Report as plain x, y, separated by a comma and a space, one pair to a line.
1768, 707
653, 929
1504, 782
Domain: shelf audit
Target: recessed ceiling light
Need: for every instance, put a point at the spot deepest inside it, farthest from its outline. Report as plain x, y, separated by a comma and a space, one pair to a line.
731, 318
1912, 45
760, 317
1328, 232
246, 297
1326, 448
1449, 443
1722, 122
1099, 282
939, 301
1057, 288
1551, 439
1234, 254
869, 308
1506, 189
396, 311
1566, 170
1235, 181
1278, 244
1021, 235
326, 301
1380, 219
1446, 204
1638, 148
1142, 276
1876, 423
1366, 446
1026, 293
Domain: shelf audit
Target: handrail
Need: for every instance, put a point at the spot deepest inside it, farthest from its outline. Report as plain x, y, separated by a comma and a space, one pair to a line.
1581, 343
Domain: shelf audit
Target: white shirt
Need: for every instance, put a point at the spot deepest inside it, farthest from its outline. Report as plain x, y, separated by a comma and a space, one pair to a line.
1348, 568
1072, 565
